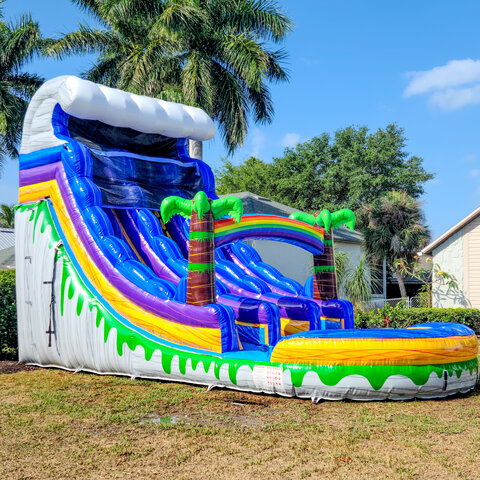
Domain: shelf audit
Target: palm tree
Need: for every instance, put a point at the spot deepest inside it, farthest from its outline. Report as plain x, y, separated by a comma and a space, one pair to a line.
18, 43
358, 285
201, 246
394, 229
7, 216
209, 53
324, 275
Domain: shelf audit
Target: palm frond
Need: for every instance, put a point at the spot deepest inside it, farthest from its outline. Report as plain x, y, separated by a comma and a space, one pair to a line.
276, 70
342, 266
23, 85
198, 82
246, 57
7, 216
357, 284
261, 104
20, 44
93, 7
84, 40
264, 18
230, 108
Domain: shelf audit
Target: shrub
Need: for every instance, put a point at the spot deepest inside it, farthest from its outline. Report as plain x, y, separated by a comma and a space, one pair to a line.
8, 316
402, 317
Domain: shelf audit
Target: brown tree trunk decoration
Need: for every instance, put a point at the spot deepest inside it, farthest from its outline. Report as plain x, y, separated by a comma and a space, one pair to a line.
201, 260
324, 276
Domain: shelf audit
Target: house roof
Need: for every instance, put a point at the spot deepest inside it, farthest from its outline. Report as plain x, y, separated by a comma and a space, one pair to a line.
7, 248
431, 246
253, 203
7, 238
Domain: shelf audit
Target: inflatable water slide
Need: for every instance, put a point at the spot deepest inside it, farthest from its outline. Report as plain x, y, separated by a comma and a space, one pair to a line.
128, 263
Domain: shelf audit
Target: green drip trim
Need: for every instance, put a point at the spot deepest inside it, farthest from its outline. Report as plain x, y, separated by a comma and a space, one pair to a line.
201, 267
323, 268
327, 243
37, 209
377, 375
202, 236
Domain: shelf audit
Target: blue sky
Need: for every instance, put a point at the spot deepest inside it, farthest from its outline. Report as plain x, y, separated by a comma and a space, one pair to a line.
362, 63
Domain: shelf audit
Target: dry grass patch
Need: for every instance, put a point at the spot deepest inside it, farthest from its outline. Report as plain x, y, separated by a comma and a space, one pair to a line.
59, 425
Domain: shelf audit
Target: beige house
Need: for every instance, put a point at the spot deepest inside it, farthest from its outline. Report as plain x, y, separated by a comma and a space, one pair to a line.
457, 252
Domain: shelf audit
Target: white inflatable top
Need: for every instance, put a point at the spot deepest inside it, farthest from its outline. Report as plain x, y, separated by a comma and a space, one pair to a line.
90, 101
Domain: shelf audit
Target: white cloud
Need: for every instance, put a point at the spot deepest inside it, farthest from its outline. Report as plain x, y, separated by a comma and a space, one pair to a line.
258, 141
451, 86
290, 139
474, 172
454, 98
453, 74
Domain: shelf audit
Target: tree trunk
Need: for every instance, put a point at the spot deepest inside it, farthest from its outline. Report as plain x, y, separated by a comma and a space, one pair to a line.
201, 260
195, 149
324, 276
401, 284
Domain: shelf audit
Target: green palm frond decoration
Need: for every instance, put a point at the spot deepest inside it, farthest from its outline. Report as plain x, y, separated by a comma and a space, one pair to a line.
201, 205
324, 219
232, 206
343, 217
175, 206
303, 217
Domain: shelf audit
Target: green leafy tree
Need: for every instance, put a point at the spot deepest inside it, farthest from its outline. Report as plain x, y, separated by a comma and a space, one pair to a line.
214, 54
350, 169
253, 176
394, 229
7, 216
18, 43
201, 246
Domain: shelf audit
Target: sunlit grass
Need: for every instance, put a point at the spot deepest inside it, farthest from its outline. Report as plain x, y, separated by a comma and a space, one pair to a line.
55, 424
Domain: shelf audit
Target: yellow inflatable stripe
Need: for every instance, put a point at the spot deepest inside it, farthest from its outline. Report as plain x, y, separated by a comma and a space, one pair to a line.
290, 327
205, 338
375, 351
38, 191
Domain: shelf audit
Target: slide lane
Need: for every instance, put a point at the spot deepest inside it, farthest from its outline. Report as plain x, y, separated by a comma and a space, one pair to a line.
212, 328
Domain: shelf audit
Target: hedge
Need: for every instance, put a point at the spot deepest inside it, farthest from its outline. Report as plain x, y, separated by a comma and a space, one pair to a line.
399, 317
8, 316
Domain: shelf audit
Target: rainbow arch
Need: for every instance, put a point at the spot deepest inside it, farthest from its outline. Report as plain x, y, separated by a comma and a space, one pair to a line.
270, 227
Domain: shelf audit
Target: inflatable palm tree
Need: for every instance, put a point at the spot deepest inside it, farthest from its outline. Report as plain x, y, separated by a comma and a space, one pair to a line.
201, 247
324, 276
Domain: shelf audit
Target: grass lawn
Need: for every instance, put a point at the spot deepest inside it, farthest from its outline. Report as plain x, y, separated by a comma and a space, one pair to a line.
59, 425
